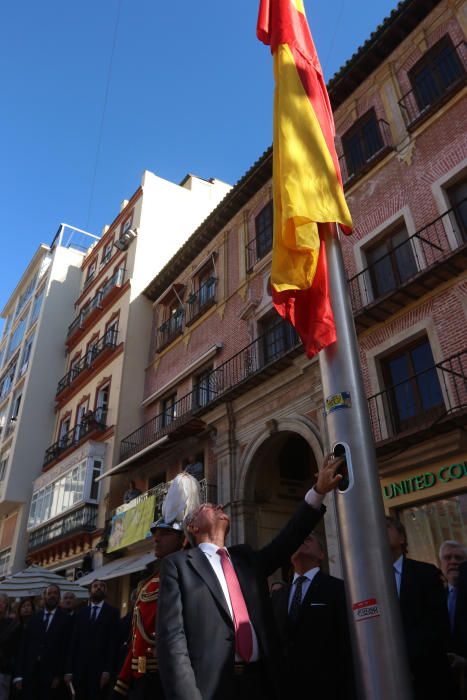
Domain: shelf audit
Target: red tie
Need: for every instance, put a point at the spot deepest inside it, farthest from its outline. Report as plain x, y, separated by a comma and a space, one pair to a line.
243, 634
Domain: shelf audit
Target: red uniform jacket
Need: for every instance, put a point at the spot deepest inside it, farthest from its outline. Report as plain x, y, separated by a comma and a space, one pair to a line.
140, 657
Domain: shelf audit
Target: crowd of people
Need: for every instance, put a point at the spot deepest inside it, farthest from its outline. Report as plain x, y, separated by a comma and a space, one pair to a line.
204, 624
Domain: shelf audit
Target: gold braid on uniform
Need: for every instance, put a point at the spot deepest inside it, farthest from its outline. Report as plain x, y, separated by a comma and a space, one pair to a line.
141, 629
121, 688
148, 597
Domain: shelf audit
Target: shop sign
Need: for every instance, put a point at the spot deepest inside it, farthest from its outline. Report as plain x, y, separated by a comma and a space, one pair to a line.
425, 480
132, 525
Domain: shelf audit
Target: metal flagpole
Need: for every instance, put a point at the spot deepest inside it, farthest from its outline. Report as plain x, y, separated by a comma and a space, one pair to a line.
379, 649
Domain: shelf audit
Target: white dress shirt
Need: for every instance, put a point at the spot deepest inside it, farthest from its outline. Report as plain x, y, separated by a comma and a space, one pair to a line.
305, 585
397, 566
51, 616
98, 607
209, 549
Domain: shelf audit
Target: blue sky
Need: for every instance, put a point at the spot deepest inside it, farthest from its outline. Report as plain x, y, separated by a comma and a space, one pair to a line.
190, 90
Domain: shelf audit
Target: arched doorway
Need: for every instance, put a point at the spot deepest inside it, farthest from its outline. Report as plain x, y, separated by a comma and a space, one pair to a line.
281, 471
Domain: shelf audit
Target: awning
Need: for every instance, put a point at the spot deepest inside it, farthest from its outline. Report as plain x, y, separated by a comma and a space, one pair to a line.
118, 567
125, 465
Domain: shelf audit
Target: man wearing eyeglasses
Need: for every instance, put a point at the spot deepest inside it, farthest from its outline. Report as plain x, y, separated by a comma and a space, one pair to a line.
215, 629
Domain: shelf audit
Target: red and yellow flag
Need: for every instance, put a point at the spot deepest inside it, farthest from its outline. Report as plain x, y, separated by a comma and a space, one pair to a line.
307, 183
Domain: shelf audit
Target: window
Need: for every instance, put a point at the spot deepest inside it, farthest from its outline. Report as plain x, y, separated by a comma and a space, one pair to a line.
391, 262
3, 414
80, 414
111, 331
102, 403
4, 561
17, 336
203, 294
91, 350
7, 326
203, 391
26, 295
15, 406
361, 143
263, 229
435, 73
36, 307
59, 496
107, 252
26, 354
7, 382
169, 411
3, 466
64, 430
96, 472
413, 389
458, 198
278, 336
91, 271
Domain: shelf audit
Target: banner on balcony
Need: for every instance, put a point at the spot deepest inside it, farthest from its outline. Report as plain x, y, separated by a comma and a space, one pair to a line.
132, 525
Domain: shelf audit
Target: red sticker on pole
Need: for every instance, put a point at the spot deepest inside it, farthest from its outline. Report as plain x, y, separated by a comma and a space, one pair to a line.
366, 609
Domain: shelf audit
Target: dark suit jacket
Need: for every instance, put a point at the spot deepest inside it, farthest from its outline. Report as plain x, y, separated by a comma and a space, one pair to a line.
426, 628
317, 648
94, 645
459, 636
195, 632
50, 647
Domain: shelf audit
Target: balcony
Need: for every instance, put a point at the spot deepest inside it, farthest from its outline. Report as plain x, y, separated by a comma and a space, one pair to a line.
431, 402
390, 283
364, 151
93, 357
201, 300
170, 330
160, 492
83, 519
258, 361
93, 422
99, 301
442, 77
258, 248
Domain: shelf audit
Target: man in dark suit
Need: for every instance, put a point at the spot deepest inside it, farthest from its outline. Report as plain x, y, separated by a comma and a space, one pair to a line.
93, 652
424, 618
44, 645
311, 617
215, 629
452, 557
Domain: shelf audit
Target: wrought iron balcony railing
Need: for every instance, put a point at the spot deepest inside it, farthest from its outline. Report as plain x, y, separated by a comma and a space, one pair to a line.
258, 248
261, 354
420, 401
170, 329
201, 300
160, 492
82, 519
442, 77
91, 422
363, 153
107, 342
410, 258
96, 302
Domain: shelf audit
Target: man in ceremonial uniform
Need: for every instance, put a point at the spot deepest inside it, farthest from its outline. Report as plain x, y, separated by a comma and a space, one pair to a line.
139, 677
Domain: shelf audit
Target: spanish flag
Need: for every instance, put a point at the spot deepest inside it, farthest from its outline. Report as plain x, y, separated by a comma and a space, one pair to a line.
307, 183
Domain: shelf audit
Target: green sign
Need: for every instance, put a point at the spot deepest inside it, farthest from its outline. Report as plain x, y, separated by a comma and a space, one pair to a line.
132, 525
426, 480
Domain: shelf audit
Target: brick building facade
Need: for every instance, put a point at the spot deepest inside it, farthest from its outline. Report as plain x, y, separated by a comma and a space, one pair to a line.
227, 382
